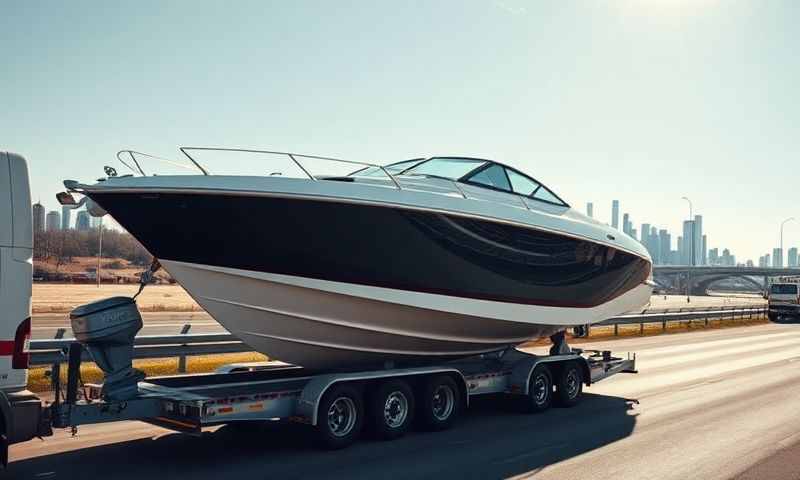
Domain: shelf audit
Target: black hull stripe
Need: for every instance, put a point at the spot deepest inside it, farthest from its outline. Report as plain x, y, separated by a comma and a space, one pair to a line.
379, 246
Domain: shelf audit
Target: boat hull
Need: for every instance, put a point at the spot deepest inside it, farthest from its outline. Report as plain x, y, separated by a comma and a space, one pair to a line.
325, 282
334, 325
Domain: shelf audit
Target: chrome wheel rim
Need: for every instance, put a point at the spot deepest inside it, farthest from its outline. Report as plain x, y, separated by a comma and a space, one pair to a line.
540, 384
342, 416
395, 409
444, 400
572, 383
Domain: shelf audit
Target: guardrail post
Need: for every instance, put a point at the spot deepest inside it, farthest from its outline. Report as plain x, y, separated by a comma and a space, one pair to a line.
182, 358
616, 329
641, 328
664, 326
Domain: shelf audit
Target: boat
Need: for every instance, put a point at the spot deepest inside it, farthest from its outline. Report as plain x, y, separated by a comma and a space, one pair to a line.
417, 261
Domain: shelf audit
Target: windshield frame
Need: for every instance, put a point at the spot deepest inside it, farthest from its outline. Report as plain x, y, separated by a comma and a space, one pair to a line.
466, 179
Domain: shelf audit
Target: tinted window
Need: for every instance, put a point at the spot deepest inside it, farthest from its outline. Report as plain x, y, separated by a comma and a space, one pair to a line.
522, 184
546, 195
454, 168
494, 176
392, 168
784, 289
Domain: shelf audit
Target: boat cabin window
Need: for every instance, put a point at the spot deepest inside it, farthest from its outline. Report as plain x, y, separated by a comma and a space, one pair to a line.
447, 167
494, 176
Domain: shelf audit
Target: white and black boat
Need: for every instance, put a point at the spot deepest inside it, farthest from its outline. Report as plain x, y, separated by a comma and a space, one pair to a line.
420, 260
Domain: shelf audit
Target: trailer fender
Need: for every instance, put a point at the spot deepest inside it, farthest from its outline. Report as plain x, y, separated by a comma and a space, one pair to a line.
308, 404
521, 371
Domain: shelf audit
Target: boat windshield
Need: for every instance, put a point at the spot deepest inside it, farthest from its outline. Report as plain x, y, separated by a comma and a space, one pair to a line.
393, 168
446, 167
784, 289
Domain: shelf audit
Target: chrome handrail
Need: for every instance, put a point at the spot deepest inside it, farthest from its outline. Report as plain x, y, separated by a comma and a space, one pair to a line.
292, 156
133, 153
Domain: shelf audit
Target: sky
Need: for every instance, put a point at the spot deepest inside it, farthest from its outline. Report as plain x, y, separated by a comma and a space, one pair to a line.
645, 101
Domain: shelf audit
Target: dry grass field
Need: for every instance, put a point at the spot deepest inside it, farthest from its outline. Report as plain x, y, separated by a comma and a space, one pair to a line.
61, 298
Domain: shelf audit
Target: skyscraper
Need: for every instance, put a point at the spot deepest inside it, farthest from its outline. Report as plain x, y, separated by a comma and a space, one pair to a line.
38, 217
82, 221
625, 221
655, 246
704, 250
590, 210
713, 256
615, 214
665, 244
688, 254
53, 221
777, 258
793, 257
681, 251
697, 235
66, 211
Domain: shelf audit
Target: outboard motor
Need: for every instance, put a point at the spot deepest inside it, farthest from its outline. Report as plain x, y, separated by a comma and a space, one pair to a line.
107, 329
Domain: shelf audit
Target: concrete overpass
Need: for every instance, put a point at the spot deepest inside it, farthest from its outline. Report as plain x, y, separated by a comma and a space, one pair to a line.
673, 277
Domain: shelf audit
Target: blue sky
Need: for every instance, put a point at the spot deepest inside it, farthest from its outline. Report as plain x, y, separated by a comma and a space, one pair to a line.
641, 100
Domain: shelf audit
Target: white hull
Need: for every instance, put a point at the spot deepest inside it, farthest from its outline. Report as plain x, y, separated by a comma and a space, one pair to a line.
325, 324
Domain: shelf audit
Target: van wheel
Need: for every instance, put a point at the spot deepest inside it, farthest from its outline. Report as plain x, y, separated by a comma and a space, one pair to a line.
340, 418
440, 403
540, 390
391, 409
569, 387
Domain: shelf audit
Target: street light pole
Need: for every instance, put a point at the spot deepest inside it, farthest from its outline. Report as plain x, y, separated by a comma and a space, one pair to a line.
782, 224
99, 251
691, 254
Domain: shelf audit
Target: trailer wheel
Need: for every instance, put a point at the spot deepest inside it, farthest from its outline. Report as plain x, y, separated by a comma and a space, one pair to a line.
569, 386
440, 403
540, 390
391, 409
341, 417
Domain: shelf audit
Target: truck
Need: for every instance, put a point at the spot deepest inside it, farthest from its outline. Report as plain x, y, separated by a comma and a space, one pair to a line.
783, 300
339, 404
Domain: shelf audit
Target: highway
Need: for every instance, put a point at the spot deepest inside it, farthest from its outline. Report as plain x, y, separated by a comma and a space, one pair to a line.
712, 404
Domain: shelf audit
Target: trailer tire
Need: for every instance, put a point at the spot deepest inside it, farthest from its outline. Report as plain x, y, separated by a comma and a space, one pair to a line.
341, 417
569, 387
391, 409
439, 403
540, 390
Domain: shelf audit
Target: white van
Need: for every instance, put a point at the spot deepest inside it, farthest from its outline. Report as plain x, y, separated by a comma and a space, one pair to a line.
784, 300
19, 409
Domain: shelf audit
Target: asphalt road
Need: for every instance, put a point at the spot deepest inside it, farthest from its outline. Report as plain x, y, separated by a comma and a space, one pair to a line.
714, 404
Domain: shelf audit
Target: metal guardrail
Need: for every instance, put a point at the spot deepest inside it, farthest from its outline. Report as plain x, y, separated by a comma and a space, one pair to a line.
49, 352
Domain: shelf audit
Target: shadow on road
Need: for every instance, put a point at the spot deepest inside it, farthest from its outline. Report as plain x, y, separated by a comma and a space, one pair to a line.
786, 320
487, 443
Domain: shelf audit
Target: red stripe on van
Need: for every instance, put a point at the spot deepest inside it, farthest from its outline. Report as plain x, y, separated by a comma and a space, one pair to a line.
6, 347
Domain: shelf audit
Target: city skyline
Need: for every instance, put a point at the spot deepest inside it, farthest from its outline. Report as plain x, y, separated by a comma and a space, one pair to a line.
676, 98
659, 244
